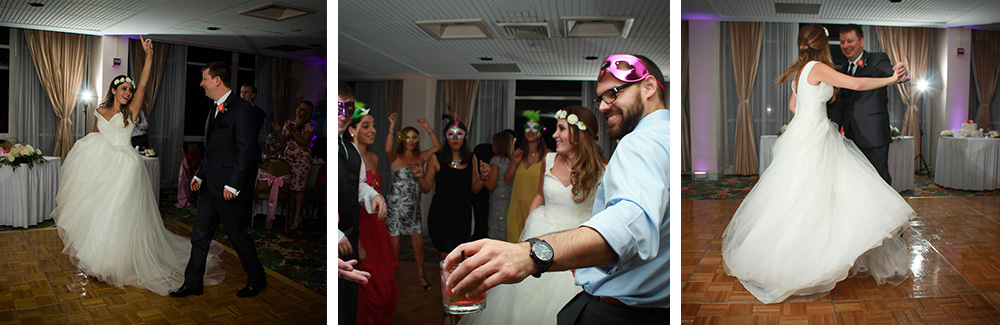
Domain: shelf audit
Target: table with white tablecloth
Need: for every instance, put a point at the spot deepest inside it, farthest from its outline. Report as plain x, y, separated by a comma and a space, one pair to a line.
28, 195
901, 160
153, 169
968, 163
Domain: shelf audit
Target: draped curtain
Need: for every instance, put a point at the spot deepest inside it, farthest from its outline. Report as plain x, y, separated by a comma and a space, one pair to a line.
685, 128
745, 43
491, 112
264, 81
59, 61
138, 61
168, 118
909, 45
32, 110
460, 95
283, 89
375, 95
986, 70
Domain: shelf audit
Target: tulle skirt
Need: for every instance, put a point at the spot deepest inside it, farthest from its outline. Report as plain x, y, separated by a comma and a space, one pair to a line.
818, 214
110, 224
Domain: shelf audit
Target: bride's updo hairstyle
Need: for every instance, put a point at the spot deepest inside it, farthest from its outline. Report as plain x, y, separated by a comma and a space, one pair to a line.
589, 164
814, 45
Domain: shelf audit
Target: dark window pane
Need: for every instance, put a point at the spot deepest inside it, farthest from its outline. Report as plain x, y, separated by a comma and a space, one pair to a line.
247, 60
4, 96
196, 105
203, 55
547, 88
5, 35
244, 77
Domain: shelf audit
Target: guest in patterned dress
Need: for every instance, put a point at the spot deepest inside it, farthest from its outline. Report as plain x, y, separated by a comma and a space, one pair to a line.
503, 144
406, 161
378, 299
296, 136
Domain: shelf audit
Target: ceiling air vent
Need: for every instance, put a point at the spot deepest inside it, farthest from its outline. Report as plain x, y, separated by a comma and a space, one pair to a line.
796, 8
530, 30
618, 26
277, 11
496, 67
455, 29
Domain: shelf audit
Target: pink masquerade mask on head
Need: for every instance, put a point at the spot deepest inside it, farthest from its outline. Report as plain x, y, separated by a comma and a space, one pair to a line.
627, 68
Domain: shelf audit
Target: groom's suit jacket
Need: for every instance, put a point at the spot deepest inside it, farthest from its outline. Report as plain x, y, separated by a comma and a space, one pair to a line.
231, 152
864, 115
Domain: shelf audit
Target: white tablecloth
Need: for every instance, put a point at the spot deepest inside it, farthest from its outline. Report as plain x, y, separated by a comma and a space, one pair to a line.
968, 163
901, 159
28, 195
153, 169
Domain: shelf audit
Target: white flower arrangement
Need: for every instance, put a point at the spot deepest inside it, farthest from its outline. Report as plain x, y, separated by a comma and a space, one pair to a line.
894, 133
21, 154
947, 133
994, 134
572, 119
148, 153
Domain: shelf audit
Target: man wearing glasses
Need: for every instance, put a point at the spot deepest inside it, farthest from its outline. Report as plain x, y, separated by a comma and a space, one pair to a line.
622, 254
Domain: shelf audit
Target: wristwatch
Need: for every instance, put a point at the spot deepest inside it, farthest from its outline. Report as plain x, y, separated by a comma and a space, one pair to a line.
542, 254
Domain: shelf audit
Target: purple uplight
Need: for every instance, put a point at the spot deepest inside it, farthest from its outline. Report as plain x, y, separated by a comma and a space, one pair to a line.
699, 16
321, 60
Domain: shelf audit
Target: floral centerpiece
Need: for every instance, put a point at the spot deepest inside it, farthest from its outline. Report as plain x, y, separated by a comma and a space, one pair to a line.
947, 133
894, 133
148, 152
21, 154
993, 134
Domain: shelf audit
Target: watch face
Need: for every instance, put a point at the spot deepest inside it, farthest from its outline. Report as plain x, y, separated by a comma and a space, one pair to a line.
542, 251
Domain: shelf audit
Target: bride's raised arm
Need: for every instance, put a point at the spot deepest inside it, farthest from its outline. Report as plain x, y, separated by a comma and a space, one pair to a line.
824, 73
140, 91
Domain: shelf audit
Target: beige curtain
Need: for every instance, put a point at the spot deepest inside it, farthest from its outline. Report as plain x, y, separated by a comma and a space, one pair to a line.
460, 95
394, 98
59, 62
909, 45
745, 41
138, 57
282, 89
685, 129
985, 51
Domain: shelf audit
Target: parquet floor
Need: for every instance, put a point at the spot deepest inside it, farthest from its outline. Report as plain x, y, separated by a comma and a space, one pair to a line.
38, 284
955, 242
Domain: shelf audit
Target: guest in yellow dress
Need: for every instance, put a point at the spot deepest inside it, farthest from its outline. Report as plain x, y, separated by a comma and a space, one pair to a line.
525, 171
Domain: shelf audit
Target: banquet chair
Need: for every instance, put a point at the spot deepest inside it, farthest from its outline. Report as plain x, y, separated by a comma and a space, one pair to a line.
315, 196
278, 168
191, 156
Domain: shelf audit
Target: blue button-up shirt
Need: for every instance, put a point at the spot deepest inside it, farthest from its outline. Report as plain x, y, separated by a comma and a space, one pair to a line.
630, 212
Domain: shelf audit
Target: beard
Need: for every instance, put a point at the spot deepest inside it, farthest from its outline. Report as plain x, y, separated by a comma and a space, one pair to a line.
629, 119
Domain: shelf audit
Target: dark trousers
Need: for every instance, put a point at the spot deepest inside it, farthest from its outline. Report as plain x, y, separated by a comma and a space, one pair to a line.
879, 157
235, 216
347, 293
585, 309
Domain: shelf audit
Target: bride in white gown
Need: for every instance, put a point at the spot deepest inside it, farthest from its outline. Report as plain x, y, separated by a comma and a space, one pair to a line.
565, 200
106, 213
820, 212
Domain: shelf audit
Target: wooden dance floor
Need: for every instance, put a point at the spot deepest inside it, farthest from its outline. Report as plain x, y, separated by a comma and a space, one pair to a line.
38, 284
955, 242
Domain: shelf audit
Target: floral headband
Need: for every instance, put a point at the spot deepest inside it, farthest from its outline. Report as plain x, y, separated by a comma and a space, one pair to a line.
572, 119
121, 80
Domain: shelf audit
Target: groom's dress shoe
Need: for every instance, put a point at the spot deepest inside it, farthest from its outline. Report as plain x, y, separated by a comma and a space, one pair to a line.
185, 291
250, 290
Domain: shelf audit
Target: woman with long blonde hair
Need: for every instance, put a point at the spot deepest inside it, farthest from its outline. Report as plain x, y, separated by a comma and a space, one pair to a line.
820, 212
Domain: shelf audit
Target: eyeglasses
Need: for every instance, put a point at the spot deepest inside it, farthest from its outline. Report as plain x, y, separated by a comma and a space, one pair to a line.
609, 96
344, 107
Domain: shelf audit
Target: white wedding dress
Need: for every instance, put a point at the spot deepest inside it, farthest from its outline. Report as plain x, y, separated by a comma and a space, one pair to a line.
538, 300
819, 213
109, 220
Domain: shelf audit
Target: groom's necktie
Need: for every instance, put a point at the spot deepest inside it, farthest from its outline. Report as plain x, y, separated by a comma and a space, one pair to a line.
852, 69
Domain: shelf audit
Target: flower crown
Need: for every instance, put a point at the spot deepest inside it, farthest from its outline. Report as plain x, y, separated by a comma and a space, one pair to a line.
572, 119
121, 80
360, 110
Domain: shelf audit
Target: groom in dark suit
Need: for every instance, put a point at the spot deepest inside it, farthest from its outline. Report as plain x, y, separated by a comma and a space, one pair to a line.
864, 115
228, 169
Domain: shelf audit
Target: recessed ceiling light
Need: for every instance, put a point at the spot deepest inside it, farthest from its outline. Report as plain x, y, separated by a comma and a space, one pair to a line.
36, 4
590, 57
213, 28
486, 58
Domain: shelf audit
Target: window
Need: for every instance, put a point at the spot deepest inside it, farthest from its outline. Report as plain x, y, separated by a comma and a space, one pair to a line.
196, 103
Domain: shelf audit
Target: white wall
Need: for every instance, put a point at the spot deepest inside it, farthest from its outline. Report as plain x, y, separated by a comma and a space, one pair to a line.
952, 107
706, 97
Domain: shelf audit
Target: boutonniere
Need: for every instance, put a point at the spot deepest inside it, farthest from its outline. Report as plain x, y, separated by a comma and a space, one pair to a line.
223, 107
861, 63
